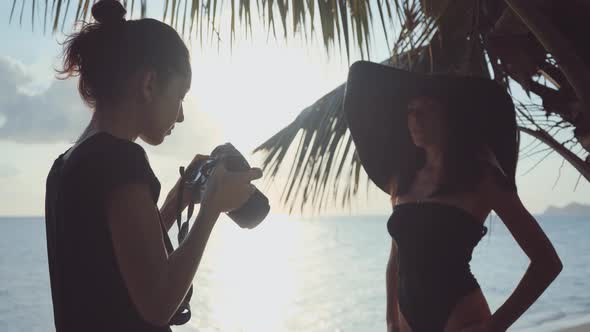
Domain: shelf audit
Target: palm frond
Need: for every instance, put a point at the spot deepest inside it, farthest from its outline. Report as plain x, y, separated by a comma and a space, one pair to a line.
340, 19
430, 44
482, 38
325, 159
324, 151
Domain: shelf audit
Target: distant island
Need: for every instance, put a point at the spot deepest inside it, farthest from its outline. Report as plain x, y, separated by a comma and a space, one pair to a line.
570, 210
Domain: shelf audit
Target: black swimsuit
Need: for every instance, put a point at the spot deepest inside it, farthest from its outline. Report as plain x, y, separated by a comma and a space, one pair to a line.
435, 242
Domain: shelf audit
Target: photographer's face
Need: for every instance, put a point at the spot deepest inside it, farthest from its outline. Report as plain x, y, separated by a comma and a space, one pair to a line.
164, 108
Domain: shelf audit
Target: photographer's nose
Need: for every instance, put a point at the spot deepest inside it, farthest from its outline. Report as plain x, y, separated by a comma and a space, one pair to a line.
180, 117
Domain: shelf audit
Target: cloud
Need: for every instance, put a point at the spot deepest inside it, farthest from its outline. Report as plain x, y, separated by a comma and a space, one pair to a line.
51, 116
58, 115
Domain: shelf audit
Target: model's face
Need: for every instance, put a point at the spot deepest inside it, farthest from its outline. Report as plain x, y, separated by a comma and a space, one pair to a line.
164, 109
426, 122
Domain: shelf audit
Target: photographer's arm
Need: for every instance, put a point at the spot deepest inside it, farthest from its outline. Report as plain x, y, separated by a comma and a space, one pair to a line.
169, 209
544, 265
156, 282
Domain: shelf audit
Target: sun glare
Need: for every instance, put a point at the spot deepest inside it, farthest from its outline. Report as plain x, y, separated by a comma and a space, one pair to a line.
258, 88
250, 276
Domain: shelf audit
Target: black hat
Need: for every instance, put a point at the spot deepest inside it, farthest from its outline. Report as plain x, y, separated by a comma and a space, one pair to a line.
375, 107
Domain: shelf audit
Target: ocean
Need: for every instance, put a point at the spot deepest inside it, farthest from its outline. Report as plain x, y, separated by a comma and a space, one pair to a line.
323, 274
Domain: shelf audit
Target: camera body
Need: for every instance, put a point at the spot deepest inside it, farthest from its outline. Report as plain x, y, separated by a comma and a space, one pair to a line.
249, 215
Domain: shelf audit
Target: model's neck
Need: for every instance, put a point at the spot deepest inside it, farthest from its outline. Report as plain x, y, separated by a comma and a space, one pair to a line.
434, 158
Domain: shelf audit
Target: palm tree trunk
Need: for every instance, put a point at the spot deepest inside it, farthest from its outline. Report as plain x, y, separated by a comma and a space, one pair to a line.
577, 74
580, 165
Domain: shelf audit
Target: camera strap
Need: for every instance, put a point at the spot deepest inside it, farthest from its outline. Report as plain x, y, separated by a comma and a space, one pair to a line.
182, 227
183, 314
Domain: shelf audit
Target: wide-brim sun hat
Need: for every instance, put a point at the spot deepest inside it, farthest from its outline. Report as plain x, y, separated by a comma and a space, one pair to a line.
376, 106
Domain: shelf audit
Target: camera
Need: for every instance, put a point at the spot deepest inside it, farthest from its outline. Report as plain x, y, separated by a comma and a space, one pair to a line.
249, 215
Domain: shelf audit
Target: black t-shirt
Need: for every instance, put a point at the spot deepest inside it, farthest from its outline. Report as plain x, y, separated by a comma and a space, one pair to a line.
88, 290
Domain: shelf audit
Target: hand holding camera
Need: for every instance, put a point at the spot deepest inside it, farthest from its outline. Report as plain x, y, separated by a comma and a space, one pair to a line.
180, 185
226, 191
222, 182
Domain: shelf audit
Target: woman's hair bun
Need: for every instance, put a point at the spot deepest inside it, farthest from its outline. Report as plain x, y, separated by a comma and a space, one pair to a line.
108, 11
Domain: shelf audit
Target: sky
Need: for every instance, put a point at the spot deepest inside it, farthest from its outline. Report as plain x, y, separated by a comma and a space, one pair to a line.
241, 94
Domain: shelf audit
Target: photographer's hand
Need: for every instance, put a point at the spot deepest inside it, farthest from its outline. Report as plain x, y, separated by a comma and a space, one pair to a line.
226, 191
169, 208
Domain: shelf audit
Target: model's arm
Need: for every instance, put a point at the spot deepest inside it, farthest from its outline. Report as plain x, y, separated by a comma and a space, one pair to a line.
544, 264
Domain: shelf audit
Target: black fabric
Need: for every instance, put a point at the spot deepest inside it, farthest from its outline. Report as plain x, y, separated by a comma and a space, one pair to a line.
435, 243
88, 291
375, 107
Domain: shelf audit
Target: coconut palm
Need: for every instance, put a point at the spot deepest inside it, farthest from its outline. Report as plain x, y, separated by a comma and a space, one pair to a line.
538, 47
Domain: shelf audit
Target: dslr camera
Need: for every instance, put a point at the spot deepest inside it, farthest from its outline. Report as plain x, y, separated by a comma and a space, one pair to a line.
249, 215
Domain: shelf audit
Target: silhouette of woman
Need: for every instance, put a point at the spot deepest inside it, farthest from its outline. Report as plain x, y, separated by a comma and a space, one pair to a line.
111, 262
445, 149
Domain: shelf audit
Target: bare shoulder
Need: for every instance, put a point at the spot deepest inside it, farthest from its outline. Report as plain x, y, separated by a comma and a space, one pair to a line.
501, 199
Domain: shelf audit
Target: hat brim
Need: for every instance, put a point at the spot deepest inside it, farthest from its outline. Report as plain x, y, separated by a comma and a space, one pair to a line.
375, 108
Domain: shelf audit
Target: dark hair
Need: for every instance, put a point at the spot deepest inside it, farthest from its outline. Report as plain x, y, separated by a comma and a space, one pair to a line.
106, 53
469, 134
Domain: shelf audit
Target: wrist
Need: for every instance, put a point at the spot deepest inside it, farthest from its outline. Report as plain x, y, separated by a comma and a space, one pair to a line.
172, 196
208, 213
493, 325
168, 212
210, 204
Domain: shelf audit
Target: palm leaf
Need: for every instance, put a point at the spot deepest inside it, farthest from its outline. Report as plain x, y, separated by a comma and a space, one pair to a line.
319, 124
12, 10
464, 36
324, 159
338, 18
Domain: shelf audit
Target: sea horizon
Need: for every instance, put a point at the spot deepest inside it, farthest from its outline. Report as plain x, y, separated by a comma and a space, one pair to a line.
321, 275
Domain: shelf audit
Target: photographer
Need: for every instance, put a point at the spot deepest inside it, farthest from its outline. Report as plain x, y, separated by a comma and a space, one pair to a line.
110, 259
